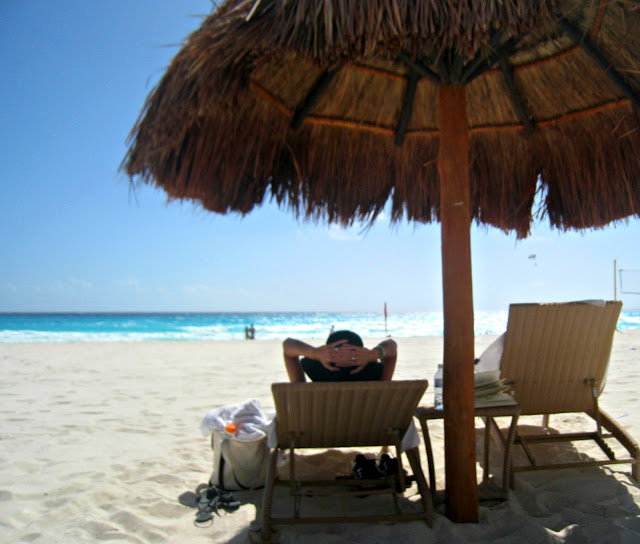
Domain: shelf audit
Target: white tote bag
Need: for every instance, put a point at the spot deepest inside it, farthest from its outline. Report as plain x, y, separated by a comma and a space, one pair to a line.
240, 458
238, 465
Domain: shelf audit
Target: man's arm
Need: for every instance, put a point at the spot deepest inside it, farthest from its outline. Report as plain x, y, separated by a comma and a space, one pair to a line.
390, 349
294, 349
386, 351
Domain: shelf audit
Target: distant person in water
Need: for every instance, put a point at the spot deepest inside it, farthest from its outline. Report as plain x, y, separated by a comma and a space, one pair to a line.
342, 359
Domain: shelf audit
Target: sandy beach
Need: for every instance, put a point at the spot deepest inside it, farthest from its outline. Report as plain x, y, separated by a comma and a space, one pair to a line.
102, 441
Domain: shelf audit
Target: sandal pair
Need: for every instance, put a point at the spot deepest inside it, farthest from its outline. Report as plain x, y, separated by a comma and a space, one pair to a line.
211, 500
368, 469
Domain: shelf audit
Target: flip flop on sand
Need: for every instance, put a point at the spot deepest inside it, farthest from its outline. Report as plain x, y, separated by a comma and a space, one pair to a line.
211, 500
203, 517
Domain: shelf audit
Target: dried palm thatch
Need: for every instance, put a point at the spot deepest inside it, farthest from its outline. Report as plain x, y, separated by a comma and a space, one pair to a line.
330, 108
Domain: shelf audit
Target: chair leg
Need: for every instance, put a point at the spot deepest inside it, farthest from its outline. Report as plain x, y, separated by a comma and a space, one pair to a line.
427, 501
507, 467
625, 439
401, 479
431, 466
267, 497
488, 422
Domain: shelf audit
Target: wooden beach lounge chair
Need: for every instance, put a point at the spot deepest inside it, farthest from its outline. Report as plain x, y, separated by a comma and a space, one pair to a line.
555, 358
338, 415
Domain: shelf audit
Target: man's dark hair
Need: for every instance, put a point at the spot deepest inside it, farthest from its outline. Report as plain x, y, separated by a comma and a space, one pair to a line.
351, 337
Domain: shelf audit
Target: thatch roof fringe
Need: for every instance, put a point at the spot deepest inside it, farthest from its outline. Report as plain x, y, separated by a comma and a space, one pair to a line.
250, 81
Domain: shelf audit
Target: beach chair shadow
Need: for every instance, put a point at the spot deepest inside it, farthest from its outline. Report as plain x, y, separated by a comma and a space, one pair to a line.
555, 359
569, 499
344, 415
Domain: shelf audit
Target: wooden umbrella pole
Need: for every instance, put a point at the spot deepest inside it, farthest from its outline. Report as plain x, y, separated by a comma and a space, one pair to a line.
455, 219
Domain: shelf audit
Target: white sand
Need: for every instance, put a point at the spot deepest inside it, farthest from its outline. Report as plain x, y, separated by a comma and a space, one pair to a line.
100, 440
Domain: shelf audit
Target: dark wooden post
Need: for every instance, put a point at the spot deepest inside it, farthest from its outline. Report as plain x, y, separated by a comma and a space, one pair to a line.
455, 218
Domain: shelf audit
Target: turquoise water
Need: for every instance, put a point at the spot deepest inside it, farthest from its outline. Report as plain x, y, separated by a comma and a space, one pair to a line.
100, 327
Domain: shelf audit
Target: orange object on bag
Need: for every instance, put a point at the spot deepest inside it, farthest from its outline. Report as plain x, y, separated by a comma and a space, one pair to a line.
230, 428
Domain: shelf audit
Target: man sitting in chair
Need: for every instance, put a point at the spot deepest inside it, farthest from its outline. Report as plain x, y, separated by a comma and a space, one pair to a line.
343, 358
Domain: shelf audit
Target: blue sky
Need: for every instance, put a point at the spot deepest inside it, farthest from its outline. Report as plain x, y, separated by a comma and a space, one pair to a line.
74, 236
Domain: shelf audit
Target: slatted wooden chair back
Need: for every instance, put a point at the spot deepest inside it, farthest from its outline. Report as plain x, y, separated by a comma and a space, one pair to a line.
345, 414
556, 354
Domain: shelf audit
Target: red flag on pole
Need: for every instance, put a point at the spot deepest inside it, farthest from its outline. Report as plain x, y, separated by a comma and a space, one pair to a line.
385, 310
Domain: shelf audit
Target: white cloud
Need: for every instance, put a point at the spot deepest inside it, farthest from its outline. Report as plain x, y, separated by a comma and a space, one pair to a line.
343, 235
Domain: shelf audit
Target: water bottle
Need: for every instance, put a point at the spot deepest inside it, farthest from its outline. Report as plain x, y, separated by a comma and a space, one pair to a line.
437, 388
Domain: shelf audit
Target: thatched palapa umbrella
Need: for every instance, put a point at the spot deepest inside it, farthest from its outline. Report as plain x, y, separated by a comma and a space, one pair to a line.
452, 110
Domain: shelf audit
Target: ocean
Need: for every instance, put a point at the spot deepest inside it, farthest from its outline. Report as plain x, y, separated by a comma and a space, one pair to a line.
114, 327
